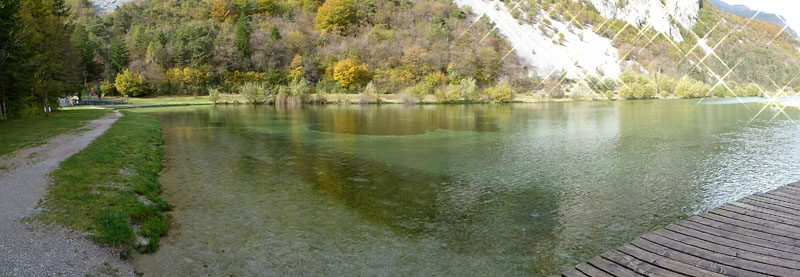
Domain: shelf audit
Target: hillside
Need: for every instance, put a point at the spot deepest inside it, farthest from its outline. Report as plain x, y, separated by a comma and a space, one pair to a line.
744, 11
400, 44
463, 50
672, 39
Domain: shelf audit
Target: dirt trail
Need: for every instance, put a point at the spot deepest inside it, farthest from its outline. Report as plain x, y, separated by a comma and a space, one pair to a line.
29, 249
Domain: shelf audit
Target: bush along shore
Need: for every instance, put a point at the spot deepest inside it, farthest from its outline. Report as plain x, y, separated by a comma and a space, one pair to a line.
630, 86
111, 190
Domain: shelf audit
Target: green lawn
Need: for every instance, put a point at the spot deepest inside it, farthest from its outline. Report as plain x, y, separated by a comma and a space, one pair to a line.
112, 186
21, 133
170, 100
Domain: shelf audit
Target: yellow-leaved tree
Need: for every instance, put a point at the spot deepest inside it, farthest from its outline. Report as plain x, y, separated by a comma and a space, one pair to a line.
221, 9
335, 15
350, 74
130, 84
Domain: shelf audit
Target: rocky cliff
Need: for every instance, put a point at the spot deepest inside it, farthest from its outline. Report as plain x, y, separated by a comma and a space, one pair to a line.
667, 17
107, 6
551, 44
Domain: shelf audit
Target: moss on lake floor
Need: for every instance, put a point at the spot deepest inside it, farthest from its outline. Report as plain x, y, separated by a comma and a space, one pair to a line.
111, 189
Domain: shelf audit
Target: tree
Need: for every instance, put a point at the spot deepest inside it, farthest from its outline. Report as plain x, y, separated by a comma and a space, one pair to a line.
274, 33
220, 10
87, 50
130, 84
118, 53
348, 73
11, 53
213, 95
138, 41
243, 33
54, 58
335, 15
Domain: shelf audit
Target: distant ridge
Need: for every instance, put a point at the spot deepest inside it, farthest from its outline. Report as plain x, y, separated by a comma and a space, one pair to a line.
744, 11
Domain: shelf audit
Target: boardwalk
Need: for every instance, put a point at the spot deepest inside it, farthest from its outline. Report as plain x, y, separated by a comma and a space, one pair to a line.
755, 236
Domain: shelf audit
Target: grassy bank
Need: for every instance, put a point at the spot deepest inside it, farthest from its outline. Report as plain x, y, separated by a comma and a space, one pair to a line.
111, 189
20, 133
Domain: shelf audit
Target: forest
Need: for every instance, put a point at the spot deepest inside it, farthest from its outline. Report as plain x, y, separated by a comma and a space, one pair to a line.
272, 51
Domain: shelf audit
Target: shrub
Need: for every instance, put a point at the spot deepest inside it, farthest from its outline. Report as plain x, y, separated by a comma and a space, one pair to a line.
468, 88
213, 95
752, 90
252, 92
684, 88
107, 88
434, 79
609, 95
350, 74
452, 92
369, 95
131, 84
500, 93
719, 91
636, 86
700, 89
300, 88
665, 85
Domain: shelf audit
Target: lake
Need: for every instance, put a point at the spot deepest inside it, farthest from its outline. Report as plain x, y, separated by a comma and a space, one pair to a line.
396, 190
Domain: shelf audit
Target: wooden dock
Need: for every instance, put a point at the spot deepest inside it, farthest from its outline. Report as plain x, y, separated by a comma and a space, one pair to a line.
755, 236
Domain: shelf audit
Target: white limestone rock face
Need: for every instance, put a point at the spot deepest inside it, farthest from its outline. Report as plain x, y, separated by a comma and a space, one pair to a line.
666, 18
107, 6
582, 53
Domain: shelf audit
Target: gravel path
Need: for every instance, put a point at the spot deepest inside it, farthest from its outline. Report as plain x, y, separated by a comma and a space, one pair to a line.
30, 249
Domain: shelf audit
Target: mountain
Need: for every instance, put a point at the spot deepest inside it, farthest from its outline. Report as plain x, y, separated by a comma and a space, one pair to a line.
677, 38
744, 11
552, 48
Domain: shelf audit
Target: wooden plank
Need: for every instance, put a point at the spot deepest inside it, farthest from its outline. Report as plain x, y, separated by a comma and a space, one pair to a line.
635, 264
790, 250
691, 260
726, 265
779, 198
773, 235
766, 225
611, 267
747, 259
789, 190
769, 211
721, 240
794, 185
758, 218
665, 262
789, 196
755, 236
762, 213
765, 199
765, 205
573, 273
590, 270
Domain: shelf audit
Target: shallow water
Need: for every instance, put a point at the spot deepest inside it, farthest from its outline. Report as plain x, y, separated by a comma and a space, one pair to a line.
524, 189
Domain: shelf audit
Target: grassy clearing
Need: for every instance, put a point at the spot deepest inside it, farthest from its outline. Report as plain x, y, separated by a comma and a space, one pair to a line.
20, 133
111, 188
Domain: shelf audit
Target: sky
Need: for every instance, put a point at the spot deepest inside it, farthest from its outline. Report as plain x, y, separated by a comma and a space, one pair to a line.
789, 9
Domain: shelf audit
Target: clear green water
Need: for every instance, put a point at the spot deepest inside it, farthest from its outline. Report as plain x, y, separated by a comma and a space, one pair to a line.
525, 189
